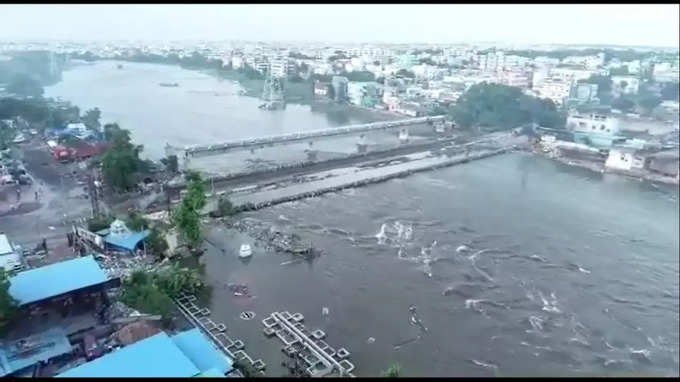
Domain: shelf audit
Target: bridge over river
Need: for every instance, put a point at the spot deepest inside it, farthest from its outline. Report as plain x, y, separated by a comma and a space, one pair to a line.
251, 143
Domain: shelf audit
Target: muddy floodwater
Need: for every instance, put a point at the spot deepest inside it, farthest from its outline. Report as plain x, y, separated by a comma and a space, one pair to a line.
517, 266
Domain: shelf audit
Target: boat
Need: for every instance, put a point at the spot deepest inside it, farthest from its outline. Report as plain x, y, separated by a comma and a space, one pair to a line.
245, 251
169, 85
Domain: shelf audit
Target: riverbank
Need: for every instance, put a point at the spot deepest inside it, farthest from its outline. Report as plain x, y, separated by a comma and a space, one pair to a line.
599, 167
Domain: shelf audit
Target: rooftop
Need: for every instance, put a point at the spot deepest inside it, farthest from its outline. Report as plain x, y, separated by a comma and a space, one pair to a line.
20, 354
187, 354
56, 279
5, 246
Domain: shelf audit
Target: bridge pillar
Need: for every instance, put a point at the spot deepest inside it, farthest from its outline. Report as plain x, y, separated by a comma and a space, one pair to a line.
361, 144
310, 143
312, 154
252, 150
403, 135
185, 162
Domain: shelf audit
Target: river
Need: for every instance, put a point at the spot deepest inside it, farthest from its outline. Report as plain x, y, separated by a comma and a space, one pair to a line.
517, 265
203, 109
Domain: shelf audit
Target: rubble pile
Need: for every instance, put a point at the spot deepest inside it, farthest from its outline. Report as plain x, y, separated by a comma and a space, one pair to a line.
275, 239
124, 265
119, 310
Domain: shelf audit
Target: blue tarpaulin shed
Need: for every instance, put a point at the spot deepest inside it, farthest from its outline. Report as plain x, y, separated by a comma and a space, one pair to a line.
128, 241
56, 279
202, 351
156, 356
18, 355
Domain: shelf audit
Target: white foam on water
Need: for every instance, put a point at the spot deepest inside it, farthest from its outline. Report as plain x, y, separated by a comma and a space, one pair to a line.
382, 236
462, 248
484, 364
536, 323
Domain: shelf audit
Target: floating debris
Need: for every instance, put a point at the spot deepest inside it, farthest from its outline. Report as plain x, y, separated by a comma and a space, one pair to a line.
249, 315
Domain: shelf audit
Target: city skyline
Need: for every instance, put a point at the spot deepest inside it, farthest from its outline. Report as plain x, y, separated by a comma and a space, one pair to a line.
655, 25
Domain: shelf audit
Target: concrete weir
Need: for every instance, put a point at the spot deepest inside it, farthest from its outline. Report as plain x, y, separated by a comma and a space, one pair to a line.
248, 206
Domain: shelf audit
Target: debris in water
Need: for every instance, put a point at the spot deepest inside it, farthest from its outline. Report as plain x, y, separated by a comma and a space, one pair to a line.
462, 248
324, 311
51, 228
238, 289
370, 340
247, 315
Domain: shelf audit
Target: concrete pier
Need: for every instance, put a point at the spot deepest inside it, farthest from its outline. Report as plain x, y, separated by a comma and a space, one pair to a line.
318, 357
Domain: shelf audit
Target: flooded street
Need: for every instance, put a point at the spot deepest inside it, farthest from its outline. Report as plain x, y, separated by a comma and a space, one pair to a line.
517, 266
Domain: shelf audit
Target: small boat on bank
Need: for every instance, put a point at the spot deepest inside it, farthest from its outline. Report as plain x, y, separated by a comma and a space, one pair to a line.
245, 251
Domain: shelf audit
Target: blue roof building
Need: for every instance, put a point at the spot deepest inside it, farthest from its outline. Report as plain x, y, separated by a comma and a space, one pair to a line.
202, 352
187, 354
19, 355
56, 280
118, 237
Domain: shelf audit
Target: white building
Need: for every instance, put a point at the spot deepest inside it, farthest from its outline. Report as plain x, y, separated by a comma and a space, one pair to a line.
10, 259
593, 123
570, 74
278, 67
624, 159
236, 62
554, 89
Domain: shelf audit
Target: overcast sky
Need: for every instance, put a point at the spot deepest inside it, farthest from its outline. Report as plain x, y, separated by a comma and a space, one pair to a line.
652, 25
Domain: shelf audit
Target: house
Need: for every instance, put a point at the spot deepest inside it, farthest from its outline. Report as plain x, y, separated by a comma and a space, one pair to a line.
184, 355
119, 238
20, 356
10, 258
664, 162
59, 281
624, 159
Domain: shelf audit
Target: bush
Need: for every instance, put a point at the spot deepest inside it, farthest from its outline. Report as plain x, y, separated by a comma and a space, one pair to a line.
136, 222
8, 305
225, 207
142, 294
157, 243
99, 223
393, 371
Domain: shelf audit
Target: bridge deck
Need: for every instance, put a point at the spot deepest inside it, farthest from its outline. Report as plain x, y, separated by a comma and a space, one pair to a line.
243, 143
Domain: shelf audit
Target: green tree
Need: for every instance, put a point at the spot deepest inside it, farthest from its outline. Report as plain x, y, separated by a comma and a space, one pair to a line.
225, 207
620, 71
624, 104
670, 92
405, 73
121, 163
649, 102
136, 222
174, 280
99, 223
7, 135
8, 305
25, 85
91, 119
604, 86
142, 294
394, 371
187, 216
503, 107
157, 243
